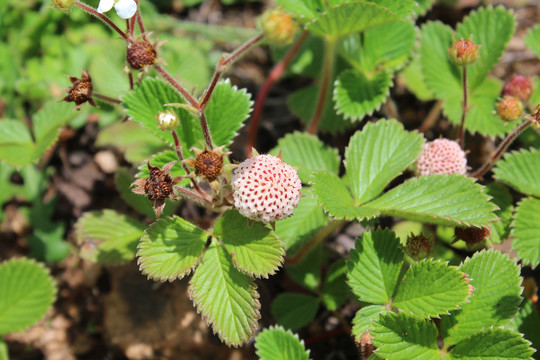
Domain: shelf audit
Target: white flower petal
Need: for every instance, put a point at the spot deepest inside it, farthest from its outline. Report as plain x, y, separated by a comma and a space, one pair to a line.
126, 8
105, 5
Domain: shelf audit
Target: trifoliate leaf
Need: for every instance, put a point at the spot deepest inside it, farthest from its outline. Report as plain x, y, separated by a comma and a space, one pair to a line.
532, 39
107, 237
400, 336
364, 318
383, 47
374, 266
170, 249
492, 29
336, 198
356, 95
293, 311
307, 218
518, 169
307, 153
502, 198
277, 343
438, 199
226, 298
526, 231
350, 17
254, 248
499, 344
378, 154
335, 291
28, 291
431, 288
496, 295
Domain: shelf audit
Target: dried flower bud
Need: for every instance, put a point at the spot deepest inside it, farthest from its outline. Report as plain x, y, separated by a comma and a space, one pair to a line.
278, 27
63, 5
265, 188
81, 91
140, 54
509, 108
535, 116
419, 246
208, 164
519, 86
463, 52
365, 346
441, 156
471, 235
167, 121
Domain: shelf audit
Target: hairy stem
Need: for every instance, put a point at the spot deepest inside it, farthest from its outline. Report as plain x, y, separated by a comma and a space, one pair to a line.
326, 76
272, 78
461, 140
193, 195
106, 98
206, 131
500, 150
102, 17
178, 148
185, 94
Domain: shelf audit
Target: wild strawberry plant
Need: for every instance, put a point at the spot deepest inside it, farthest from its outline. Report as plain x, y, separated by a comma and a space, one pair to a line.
419, 298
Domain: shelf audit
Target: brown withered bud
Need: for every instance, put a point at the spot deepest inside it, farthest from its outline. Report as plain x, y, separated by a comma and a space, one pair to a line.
81, 91
365, 347
140, 54
158, 186
208, 164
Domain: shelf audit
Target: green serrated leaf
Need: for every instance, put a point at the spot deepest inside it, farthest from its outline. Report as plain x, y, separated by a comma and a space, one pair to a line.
496, 295
307, 218
336, 198
374, 266
438, 199
350, 17
16, 145
518, 169
47, 123
364, 318
532, 39
294, 311
414, 80
423, 6
307, 271
277, 343
431, 288
225, 297
335, 291
502, 198
308, 153
526, 231
170, 249
372, 161
107, 237
255, 249
500, 344
400, 336
492, 29
526, 322
28, 291
356, 95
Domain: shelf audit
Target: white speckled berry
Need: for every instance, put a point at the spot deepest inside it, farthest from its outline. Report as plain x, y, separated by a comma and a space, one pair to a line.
265, 188
441, 156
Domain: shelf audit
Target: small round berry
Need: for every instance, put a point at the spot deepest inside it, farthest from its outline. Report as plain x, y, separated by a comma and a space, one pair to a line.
167, 121
441, 156
141, 54
265, 188
519, 86
471, 235
419, 246
208, 164
463, 52
278, 27
509, 108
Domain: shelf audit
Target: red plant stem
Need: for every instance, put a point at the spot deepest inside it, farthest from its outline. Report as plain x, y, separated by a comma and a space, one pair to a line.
106, 98
102, 17
325, 336
329, 56
178, 148
206, 131
193, 195
177, 86
500, 150
223, 63
140, 21
461, 140
272, 78
130, 75
128, 28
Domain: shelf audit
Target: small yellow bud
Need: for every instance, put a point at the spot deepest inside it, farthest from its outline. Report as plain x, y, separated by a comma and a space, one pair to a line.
167, 121
463, 52
509, 108
63, 5
278, 27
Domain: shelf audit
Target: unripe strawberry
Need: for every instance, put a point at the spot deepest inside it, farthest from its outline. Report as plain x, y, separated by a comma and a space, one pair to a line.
463, 52
519, 86
509, 108
265, 188
419, 246
278, 27
471, 235
140, 54
167, 121
441, 156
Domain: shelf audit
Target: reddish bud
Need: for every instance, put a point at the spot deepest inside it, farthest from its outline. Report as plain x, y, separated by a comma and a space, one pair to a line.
419, 246
471, 235
463, 52
519, 86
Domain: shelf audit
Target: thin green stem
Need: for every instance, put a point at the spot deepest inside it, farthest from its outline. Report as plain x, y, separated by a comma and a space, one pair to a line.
102, 17
326, 77
461, 140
